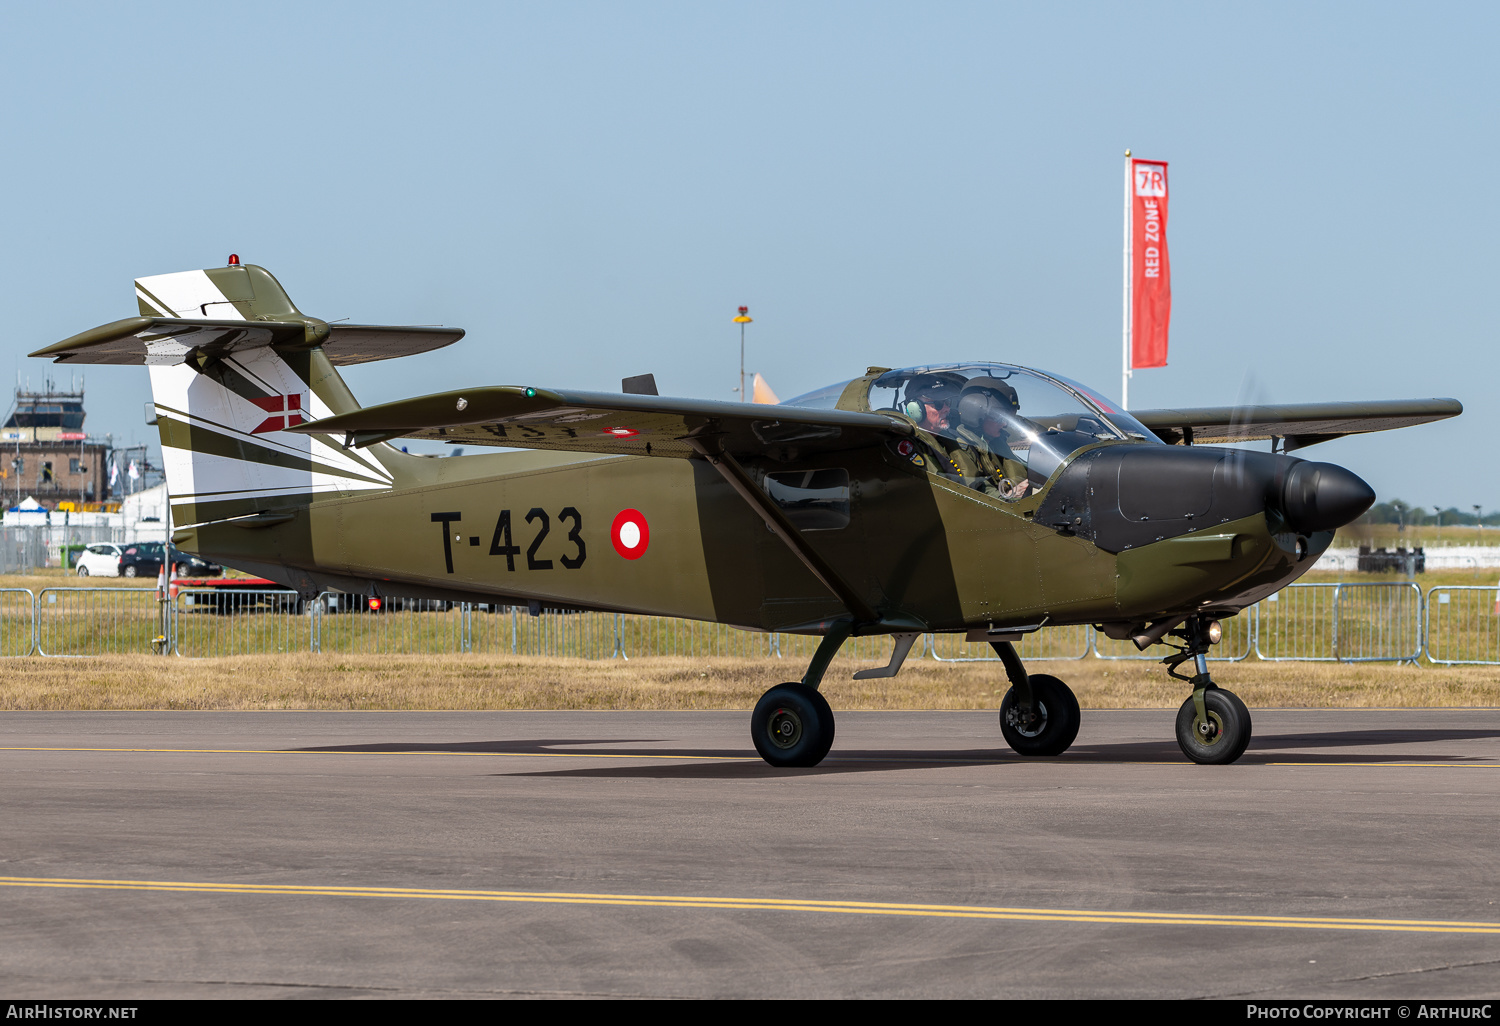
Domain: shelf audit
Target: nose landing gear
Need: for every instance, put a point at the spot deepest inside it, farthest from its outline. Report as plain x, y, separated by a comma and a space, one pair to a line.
1213, 726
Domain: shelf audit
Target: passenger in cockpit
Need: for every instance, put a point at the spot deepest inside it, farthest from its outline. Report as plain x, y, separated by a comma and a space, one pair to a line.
987, 409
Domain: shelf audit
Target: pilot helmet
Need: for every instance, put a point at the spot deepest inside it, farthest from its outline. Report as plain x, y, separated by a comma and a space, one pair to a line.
986, 399
930, 388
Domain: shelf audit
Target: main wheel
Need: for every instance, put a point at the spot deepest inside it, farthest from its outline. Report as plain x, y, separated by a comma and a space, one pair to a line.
1223, 738
1052, 726
792, 726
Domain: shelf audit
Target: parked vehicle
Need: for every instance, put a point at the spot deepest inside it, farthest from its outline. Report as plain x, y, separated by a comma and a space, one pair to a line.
142, 559
100, 560
186, 564
145, 559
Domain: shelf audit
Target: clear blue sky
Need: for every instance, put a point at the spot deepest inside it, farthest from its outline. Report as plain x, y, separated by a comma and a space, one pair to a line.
592, 188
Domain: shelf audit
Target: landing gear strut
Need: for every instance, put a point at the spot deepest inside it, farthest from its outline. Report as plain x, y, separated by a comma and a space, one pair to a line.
1039, 714
792, 724
1213, 726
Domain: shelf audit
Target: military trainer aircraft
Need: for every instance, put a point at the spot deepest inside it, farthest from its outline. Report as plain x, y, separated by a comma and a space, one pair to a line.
979, 498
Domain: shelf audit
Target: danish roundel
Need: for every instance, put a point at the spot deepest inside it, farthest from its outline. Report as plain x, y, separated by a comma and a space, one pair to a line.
630, 533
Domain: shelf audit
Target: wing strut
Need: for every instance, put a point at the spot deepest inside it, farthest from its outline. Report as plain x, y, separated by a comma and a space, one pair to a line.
730, 470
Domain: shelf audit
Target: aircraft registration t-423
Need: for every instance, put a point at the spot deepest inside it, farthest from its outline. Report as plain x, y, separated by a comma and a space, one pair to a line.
980, 498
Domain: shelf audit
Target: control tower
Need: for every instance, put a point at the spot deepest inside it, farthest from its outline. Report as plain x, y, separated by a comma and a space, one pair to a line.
45, 453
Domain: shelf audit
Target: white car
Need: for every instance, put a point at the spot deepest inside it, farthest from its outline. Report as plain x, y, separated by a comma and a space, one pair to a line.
99, 560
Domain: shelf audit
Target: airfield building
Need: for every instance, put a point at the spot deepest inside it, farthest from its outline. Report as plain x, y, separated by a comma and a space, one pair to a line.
46, 454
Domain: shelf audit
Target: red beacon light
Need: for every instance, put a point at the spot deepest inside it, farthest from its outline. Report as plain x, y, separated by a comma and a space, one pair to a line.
234, 260
375, 604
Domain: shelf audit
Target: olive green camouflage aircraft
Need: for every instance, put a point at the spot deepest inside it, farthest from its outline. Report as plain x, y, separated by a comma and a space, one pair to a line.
981, 499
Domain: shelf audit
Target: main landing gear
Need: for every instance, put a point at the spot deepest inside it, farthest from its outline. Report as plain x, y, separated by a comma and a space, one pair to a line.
792, 724
1213, 726
1039, 714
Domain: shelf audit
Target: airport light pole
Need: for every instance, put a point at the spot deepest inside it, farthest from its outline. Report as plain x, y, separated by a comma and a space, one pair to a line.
1439, 510
1479, 522
742, 320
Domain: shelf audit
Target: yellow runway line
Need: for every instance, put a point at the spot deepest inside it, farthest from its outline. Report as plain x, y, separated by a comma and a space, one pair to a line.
770, 905
1000, 759
1395, 765
305, 751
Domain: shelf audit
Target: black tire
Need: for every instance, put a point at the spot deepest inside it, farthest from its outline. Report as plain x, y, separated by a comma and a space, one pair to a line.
1230, 733
83, 571
792, 726
129, 571
1059, 718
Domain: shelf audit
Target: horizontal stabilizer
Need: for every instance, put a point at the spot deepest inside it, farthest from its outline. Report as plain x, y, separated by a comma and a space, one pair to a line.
168, 340
365, 343
609, 422
1300, 424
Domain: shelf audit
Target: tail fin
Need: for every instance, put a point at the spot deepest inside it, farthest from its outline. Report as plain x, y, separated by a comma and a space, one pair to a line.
233, 364
239, 292
222, 420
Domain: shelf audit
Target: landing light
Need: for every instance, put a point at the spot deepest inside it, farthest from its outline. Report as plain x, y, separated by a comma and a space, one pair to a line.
1215, 632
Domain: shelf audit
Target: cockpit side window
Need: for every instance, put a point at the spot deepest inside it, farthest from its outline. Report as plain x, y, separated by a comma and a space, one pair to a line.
813, 500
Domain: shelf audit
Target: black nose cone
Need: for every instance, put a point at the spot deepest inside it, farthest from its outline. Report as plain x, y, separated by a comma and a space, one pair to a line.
1321, 497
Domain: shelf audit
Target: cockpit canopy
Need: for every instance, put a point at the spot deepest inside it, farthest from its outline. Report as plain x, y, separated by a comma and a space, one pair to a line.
999, 428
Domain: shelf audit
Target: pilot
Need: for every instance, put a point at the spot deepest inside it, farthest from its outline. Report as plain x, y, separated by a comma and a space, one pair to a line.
985, 408
930, 399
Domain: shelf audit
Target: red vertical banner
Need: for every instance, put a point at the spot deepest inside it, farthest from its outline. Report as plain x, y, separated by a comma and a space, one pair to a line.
1150, 272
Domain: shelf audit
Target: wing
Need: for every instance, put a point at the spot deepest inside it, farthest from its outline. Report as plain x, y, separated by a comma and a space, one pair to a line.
1301, 424
609, 422
169, 340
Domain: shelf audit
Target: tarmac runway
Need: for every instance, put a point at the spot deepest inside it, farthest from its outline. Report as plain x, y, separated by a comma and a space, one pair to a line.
152, 855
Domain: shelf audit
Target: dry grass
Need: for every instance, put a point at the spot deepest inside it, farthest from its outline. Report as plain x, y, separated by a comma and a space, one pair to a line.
55, 578
465, 682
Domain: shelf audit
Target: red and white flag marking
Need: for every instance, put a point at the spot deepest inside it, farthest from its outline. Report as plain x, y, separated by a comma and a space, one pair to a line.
286, 410
1150, 272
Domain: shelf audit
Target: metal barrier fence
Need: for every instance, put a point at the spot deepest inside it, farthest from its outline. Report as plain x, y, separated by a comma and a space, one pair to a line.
17, 622
1296, 624
1462, 625
348, 624
1378, 623
578, 635
99, 621
1387, 621
208, 622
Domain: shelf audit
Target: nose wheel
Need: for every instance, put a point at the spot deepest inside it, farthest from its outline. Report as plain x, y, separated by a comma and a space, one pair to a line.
1217, 735
1213, 726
